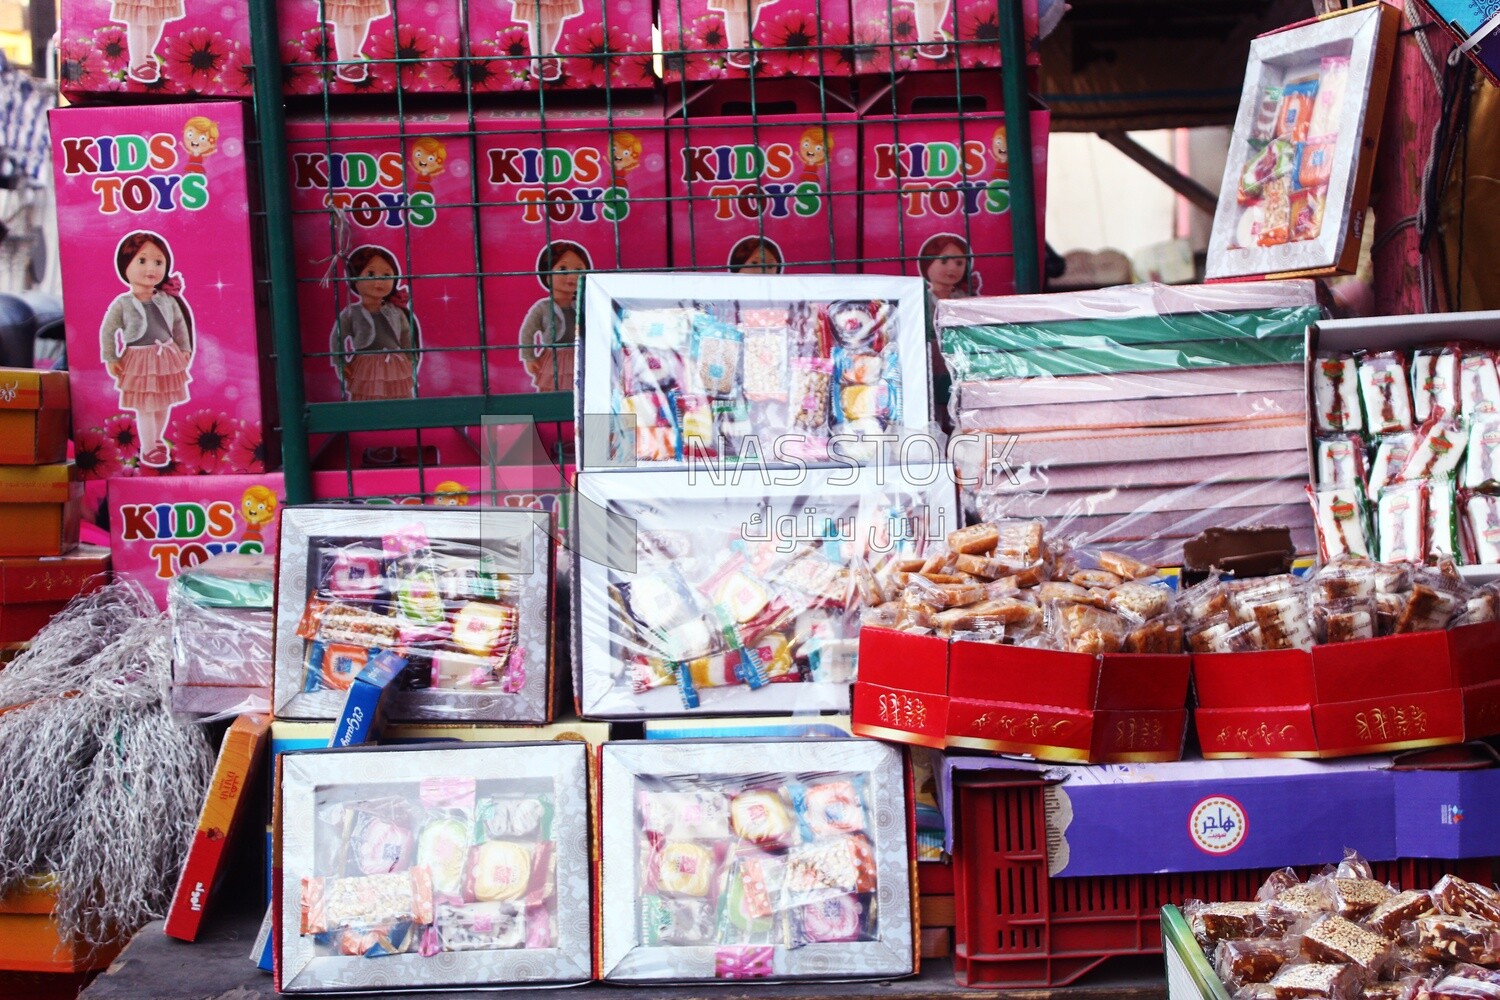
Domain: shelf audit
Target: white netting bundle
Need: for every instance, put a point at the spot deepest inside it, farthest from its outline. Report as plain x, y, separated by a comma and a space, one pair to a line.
101, 784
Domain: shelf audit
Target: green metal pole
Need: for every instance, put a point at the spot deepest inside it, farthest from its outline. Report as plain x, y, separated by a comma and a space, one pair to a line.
1018, 134
275, 196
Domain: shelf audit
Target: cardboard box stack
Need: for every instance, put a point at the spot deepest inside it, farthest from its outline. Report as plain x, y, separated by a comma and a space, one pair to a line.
42, 566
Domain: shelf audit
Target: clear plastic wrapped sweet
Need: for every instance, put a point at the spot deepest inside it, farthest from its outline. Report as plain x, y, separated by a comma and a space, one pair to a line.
463, 594
433, 865
742, 368
745, 597
753, 859
777, 860
447, 606
427, 867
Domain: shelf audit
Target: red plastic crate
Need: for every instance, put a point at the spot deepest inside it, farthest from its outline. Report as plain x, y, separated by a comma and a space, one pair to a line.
1018, 927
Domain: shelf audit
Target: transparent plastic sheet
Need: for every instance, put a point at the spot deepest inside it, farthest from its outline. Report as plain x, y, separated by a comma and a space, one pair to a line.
1135, 417
1344, 601
1300, 154
458, 867
693, 368
463, 594
718, 865
742, 593
1422, 428
221, 612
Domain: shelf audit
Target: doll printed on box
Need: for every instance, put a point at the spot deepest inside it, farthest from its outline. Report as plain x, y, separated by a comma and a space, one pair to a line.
200, 137
427, 158
740, 17
625, 155
544, 24
350, 21
376, 338
1000, 150
146, 340
553, 320
813, 148
258, 505
932, 40
144, 21
947, 264
756, 255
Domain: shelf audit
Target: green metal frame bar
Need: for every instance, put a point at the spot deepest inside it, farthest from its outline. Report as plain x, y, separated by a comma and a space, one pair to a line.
438, 411
1023, 232
275, 193
299, 419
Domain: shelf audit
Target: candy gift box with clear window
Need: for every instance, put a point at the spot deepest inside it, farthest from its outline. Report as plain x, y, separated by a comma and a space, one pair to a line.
741, 597
1301, 156
684, 370
754, 859
455, 867
463, 595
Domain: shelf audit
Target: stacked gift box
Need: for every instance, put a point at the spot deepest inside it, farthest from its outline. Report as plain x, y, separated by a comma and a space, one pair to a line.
1135, 418
42, 566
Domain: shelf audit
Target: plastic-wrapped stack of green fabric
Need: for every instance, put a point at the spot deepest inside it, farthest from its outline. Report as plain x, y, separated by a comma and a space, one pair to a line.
1135, 417
221, 612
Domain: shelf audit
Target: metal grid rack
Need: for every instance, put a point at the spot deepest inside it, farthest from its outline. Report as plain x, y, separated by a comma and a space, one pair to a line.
302, 419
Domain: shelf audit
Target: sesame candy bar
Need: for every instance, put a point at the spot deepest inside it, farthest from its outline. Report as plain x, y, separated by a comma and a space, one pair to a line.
1335, 939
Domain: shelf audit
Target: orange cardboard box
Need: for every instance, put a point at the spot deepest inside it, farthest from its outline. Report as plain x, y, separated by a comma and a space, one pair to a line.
41, 507
31, 942
33, 589
34, 412
238, 758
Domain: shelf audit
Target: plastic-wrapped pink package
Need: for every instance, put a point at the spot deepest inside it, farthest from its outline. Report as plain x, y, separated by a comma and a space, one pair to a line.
713, 867
221, 612
462, 594
458, 867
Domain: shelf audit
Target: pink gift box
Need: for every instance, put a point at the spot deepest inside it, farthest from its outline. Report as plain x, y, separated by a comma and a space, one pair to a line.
157, 277
572, 39
159, 526
370, 35
936, 184
805, 38
165, 48
766, 195
587, 198
906, 35
389, 205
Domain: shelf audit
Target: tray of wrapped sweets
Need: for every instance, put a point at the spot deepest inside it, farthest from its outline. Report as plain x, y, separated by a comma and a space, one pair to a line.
1005, 641
1341, 935
1361, 657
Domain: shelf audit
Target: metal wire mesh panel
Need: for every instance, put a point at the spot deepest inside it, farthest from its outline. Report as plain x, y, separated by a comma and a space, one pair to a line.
441, 178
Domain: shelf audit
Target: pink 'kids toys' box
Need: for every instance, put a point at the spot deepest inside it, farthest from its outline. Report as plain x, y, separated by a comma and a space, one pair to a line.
728, 39
776, 195
352, 46
937, 188
167, 48
899, 36
156, 270
564, 44
159, 527
584, 197
384, 238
